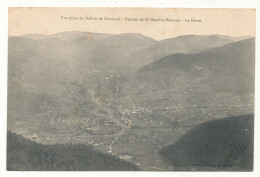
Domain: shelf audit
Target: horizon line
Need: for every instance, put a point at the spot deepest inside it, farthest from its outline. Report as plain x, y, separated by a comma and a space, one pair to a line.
190, 34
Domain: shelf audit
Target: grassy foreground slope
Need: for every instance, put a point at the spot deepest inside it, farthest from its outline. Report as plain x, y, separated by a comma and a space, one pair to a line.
223, 144
26, 155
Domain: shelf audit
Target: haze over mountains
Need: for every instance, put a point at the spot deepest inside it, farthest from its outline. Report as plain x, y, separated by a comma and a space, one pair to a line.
68, 36
223, 68
126, 94
113, 54
227, 69
182, 44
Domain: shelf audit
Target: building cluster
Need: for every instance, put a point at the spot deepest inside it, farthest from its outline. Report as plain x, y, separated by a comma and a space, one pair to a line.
133, 110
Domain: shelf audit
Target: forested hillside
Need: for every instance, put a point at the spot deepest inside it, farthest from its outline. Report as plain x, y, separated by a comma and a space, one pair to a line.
24, 154
224, 144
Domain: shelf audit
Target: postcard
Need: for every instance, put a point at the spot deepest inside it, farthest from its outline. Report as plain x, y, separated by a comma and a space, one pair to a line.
130, 89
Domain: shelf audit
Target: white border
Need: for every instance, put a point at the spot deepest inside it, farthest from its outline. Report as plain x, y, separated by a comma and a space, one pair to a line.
4, 4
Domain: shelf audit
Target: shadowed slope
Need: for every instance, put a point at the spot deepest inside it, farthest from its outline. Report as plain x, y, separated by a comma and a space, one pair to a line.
26, 155
224, 144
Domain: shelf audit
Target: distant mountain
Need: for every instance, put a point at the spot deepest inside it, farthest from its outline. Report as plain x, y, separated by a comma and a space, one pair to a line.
89, 49
69, 36
26, 155
71, 56
128, 50
229, 68
223, 144
182, 44
188, 79
234, 39
114, 50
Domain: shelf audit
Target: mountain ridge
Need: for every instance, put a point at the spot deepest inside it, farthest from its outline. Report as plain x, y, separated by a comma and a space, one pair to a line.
181, 44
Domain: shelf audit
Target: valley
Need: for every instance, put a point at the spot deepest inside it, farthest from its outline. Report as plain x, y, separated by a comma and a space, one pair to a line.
93, 94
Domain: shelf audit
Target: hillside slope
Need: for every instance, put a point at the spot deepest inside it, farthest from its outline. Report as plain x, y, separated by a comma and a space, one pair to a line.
26, 155
223, 144
182, 44
229, 68
197, 78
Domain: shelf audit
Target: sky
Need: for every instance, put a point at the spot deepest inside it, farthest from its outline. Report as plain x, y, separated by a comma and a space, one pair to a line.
51, 20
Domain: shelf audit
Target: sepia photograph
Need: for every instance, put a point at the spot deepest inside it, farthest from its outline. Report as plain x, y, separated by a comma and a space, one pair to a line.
130, 89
